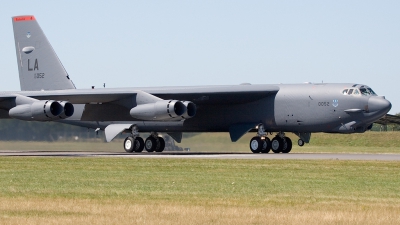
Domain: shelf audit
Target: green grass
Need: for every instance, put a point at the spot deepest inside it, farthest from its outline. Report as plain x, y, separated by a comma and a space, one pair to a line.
254, 182
96, 190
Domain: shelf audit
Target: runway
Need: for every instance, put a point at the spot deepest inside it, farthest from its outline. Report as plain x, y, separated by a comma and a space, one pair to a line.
208, 155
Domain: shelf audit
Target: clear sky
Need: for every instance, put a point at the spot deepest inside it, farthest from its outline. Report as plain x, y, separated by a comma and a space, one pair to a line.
171, 43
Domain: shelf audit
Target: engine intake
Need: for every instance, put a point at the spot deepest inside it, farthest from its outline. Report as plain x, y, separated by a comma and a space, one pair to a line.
161, 110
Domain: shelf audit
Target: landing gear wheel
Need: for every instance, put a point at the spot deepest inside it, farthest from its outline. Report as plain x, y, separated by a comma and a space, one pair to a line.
150, 144
160, 145
266, 145
129, 144
256, 144
139, 144
287, 145
277, 144
300, 142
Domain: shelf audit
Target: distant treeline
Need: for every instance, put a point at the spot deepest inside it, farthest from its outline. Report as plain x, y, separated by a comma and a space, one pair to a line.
15, 130
12, 130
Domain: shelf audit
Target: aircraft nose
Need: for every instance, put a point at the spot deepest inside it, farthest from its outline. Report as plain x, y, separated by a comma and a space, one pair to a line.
379, 103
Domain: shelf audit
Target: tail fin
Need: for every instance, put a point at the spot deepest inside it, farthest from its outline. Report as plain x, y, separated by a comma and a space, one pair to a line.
38, 65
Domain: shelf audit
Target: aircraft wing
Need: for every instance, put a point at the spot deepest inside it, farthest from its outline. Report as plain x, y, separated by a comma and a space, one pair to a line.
116, 103
235, 94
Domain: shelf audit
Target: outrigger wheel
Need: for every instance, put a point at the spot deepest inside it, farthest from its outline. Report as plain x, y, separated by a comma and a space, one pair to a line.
300, 142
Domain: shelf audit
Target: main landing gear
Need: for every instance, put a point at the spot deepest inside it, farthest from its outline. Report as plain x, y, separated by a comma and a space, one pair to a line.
134, 143
154, 143
262, 144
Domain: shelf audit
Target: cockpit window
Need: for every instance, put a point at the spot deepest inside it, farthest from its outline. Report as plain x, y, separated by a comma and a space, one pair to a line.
371, 91
350, 92
363, 91
367, 91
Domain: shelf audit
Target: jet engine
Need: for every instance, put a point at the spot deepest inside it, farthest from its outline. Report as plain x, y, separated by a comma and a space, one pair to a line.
68, 109
190, 109
44, 110
160, 110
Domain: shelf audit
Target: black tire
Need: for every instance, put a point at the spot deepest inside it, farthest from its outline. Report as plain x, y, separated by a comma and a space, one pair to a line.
300, 142
160, 145
139, 144
267, 145
287, 146
129, 144
150, 144
256, 144
277, 144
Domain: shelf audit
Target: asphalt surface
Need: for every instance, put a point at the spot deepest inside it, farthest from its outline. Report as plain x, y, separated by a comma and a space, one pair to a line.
207, 155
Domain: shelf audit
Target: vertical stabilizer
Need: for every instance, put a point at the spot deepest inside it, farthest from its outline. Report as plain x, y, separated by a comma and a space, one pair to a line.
38, 65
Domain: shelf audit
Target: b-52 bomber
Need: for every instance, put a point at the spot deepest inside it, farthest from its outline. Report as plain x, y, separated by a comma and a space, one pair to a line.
269, 110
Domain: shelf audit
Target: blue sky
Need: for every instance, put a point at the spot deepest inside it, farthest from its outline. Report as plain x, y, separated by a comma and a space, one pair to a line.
170, 43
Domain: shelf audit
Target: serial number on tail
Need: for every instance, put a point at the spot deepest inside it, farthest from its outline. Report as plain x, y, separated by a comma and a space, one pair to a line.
38, 75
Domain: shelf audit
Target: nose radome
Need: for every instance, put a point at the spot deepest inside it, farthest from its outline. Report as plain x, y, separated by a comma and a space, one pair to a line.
379, 103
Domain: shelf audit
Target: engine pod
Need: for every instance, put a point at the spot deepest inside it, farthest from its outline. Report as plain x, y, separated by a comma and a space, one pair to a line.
45, 110
160, 110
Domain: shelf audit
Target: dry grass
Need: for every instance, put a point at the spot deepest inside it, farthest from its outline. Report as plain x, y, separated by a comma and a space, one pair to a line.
78, 211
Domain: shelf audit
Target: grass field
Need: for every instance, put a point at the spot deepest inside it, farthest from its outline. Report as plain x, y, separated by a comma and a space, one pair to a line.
369, 142
195, 191
97, 190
